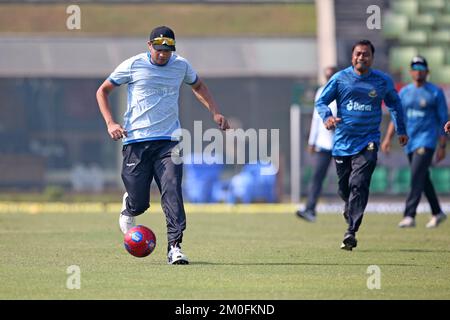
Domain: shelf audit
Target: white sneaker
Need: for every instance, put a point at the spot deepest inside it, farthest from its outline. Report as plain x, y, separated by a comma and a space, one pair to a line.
407, 222
124, 203
126, 222
436, 220
175, 256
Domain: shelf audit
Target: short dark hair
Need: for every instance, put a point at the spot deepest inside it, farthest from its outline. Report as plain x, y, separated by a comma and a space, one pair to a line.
364, 42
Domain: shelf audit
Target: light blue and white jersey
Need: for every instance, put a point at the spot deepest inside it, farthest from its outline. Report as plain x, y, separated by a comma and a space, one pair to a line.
359, 99
425, 110
153, 92
319, 136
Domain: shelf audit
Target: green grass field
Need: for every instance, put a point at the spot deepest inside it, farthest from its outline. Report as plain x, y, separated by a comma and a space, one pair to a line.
233, 256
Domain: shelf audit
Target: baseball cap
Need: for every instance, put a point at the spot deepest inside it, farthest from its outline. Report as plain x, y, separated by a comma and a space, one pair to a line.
163, 38
419, 63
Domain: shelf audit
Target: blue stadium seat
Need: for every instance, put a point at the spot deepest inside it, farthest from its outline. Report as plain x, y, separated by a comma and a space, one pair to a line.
220, 191
199, 180
250, 185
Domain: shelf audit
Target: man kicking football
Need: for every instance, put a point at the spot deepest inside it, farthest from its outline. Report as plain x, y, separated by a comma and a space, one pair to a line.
154, 79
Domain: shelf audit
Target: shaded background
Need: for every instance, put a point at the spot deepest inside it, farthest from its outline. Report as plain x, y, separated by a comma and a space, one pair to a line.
257, 57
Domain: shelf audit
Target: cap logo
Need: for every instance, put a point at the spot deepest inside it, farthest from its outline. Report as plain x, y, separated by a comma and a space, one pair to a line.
373, 93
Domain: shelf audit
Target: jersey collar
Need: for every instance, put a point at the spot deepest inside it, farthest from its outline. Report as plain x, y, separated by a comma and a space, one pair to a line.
158, 65
365, 75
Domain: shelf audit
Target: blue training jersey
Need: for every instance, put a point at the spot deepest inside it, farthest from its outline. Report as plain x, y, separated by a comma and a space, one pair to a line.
426, 113
153, 93
359, 99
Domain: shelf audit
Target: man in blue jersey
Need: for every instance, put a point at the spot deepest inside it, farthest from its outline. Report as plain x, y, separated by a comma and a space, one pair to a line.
320, 143
425, 111
359, 91
150, 122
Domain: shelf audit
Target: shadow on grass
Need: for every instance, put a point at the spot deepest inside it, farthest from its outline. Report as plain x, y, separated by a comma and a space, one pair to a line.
407, 250
297, 264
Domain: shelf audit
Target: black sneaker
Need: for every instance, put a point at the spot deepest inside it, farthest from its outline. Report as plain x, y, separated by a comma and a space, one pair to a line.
307, 215
349, 242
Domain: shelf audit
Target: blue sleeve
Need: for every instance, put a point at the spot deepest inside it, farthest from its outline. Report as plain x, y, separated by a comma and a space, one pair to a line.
442, 111
190, 77
327, 96
122, 74
394, 105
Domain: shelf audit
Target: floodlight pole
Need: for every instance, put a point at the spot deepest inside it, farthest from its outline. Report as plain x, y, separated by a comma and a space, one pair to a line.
326, 37
295, 114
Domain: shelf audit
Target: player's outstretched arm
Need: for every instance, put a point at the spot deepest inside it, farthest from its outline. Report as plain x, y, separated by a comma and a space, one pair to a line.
115, 130
386, 144
203, 94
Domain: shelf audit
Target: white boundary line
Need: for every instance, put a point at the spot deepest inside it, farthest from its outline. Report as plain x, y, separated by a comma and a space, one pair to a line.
384, 207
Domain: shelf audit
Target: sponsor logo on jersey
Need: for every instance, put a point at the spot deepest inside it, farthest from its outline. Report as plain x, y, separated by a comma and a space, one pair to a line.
413, 113
353, 105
